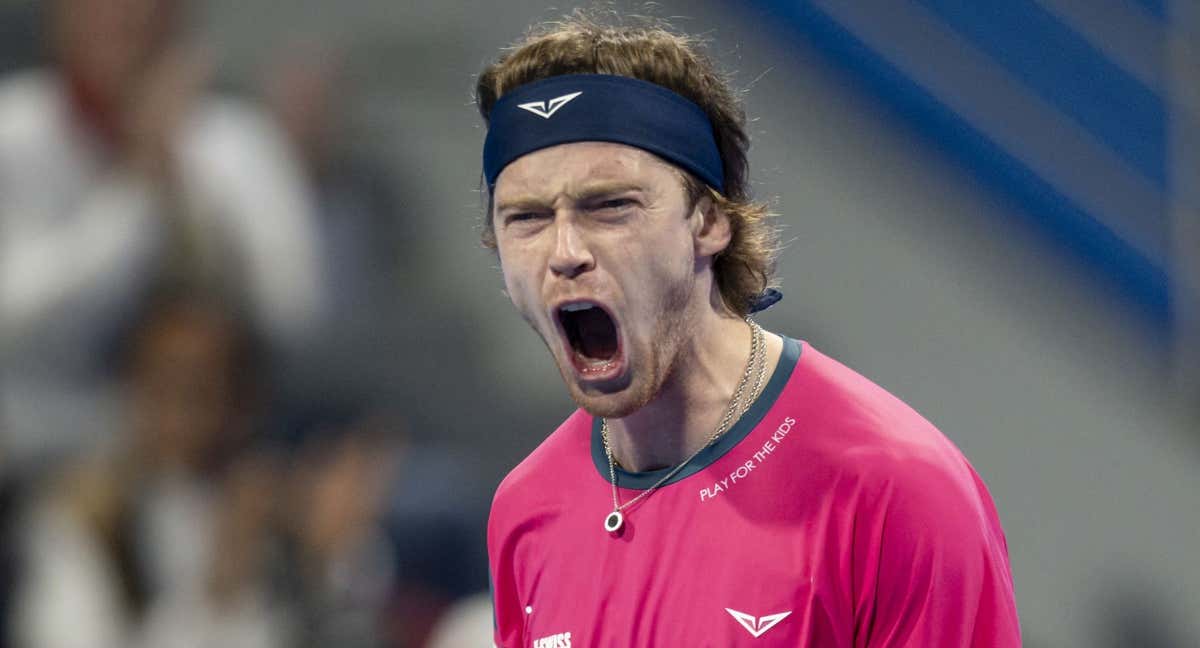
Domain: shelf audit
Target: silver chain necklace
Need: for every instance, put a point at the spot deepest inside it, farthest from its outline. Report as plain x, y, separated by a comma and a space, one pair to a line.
613, 522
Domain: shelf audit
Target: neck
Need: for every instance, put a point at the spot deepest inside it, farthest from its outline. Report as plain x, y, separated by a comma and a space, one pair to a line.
695, 397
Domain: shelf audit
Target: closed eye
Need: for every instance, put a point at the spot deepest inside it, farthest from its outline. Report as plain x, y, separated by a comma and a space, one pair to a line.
522, 217
615, 203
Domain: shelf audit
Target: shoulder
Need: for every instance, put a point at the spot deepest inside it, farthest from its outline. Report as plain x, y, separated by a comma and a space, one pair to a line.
918, 506
226, 115
859, 422
871, 439
234, 154
31, 103
542, 476
28, 90
931, 561
233, 131
561, 451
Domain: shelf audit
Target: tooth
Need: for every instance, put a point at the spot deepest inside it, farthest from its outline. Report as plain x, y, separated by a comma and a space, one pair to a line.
577, 307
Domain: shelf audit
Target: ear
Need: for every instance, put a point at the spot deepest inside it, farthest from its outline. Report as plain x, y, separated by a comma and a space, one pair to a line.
712, 232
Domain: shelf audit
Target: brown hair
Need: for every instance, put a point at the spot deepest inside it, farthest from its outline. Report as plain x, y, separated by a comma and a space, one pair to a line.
591, 42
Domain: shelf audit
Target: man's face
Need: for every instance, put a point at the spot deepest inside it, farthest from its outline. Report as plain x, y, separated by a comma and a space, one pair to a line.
183, 389
598, 248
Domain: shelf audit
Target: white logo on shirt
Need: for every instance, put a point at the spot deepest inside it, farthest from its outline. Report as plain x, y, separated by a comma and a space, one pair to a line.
750, 464
757, 625
560, 640
546, 110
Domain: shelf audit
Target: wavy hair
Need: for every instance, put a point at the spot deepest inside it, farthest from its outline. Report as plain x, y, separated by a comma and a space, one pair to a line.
596, 42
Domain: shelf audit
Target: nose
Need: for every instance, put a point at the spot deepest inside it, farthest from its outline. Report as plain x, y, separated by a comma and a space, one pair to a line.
571, 254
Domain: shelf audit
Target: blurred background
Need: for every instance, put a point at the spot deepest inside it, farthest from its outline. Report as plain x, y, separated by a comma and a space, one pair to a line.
258, 379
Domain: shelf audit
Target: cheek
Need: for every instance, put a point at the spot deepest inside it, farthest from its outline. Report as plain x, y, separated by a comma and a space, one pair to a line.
668, 282
519, 281
515, 288
665, 262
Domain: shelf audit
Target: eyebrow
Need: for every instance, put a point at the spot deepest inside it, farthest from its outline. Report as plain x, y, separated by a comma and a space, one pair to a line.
588, 192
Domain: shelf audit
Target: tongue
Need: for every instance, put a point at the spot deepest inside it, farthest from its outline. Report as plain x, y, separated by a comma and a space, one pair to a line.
597, 335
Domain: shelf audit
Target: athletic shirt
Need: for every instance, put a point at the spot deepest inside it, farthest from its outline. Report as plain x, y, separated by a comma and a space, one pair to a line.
831, 514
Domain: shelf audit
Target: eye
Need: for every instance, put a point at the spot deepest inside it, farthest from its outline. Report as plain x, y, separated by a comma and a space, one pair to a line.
615, 203
522, 217
614, 207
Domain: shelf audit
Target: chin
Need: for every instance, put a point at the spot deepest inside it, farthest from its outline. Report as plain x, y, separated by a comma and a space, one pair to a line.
611, 404
604, 407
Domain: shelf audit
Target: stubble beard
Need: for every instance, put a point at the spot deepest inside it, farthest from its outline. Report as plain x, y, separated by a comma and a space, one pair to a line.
651, 365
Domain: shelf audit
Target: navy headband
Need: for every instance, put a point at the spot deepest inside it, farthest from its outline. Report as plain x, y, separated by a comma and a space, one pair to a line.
601, 108
606, 108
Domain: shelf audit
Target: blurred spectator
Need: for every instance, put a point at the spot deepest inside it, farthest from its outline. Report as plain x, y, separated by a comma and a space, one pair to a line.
468, 624
117, 167
344, 565
436, 522
8, 541
164, 539
386, 536
365, 240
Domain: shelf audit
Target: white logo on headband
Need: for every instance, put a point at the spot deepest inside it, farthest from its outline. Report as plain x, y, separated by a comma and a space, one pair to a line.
546, 111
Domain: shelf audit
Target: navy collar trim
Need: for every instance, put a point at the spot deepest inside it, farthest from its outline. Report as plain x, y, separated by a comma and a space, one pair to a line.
741, 428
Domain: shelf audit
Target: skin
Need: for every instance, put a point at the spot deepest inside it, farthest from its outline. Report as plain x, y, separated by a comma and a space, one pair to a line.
183, 390
145, 81
612, 224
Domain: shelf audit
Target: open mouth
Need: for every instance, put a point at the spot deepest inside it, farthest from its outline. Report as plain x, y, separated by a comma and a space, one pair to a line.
591, 337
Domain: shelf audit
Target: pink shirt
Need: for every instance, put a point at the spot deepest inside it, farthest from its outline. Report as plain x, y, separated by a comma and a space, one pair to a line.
830, 515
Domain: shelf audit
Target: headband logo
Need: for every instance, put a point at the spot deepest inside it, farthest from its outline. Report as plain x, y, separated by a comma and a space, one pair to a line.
546, 110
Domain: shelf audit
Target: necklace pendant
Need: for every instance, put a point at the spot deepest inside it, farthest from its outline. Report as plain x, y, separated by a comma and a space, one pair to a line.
614, 522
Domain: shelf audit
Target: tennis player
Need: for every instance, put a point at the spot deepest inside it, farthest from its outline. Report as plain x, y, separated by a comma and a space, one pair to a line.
720, 485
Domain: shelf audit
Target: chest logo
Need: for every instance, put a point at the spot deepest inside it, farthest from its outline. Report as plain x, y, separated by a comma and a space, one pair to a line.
545, 109
756, 626
560, 640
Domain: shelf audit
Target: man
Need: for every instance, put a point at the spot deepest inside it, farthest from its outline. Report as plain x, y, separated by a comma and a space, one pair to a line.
118, 166
161, 538
719, 485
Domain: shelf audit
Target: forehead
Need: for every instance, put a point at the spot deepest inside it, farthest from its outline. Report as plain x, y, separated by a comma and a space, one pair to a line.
566, 167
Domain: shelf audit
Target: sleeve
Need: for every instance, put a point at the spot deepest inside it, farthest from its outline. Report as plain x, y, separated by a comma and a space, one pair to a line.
67, 597
934, 564
238, 167
508, 611
76, 264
